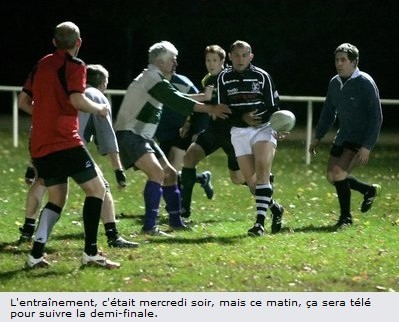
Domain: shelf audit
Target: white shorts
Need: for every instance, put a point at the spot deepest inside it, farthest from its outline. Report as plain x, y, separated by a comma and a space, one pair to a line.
243, 138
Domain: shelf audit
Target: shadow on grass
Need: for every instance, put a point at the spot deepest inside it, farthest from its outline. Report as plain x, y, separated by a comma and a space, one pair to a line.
223, 240
15, 248
207, 221
310, 229
75, 236
37, 272
162, 219
124, 215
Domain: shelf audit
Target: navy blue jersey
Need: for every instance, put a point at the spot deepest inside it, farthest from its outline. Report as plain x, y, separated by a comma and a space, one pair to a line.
248, 91
171, 121
356, 104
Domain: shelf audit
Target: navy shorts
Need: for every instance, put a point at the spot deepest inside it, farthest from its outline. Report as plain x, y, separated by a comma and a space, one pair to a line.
337, 150
55, 168
178, 142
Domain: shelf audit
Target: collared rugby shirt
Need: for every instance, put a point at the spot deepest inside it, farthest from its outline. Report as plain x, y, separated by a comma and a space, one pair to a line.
54, 119
141, 107
251, 90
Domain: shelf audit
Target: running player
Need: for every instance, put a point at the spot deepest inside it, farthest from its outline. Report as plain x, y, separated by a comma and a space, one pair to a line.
250, 93
353, 98
216, 135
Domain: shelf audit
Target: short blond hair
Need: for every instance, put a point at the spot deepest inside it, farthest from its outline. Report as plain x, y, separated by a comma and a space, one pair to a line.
66, 34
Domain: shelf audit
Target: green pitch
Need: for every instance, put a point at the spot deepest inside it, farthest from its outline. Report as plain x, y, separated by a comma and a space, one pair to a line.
218, 256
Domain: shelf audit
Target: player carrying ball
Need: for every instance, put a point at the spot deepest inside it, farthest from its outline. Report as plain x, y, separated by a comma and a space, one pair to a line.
249, 91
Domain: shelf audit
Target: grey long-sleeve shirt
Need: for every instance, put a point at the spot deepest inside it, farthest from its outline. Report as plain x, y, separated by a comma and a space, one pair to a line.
96, 127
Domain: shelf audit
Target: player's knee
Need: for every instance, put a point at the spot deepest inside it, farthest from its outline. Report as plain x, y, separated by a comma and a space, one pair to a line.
330, 178
193, 157
188, 160
237, 180
335, 174
170, 176
157, 174
100, 190
96, 188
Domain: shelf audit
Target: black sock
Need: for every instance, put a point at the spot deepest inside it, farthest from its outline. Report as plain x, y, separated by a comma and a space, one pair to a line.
29, 226
200, 178
344, 197
263, 197
358, 185
110, 230
260, 219
37, 249
91, 219
188, 178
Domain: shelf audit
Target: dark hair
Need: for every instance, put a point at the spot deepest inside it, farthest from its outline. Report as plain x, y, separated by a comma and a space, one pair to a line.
216, 49
240, 44
350, 50
96, 74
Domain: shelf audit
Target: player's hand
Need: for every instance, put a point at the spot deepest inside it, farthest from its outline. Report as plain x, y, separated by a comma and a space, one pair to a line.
185, 129
104, 111
252, 118
120, 178
220, 111
281, 135
312, 147
363, 156
30, 175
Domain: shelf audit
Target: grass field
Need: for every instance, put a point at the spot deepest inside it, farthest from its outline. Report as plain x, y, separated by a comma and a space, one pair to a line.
218, 256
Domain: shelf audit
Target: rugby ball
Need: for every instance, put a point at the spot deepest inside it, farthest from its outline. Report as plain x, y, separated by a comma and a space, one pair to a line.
282, 121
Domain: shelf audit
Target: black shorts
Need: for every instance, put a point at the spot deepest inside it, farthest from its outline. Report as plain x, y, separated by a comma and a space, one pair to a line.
55, 168
133, 146
178, 142
210, 141
336, 150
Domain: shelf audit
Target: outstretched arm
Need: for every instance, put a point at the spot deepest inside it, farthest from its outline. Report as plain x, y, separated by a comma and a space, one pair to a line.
216, 111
